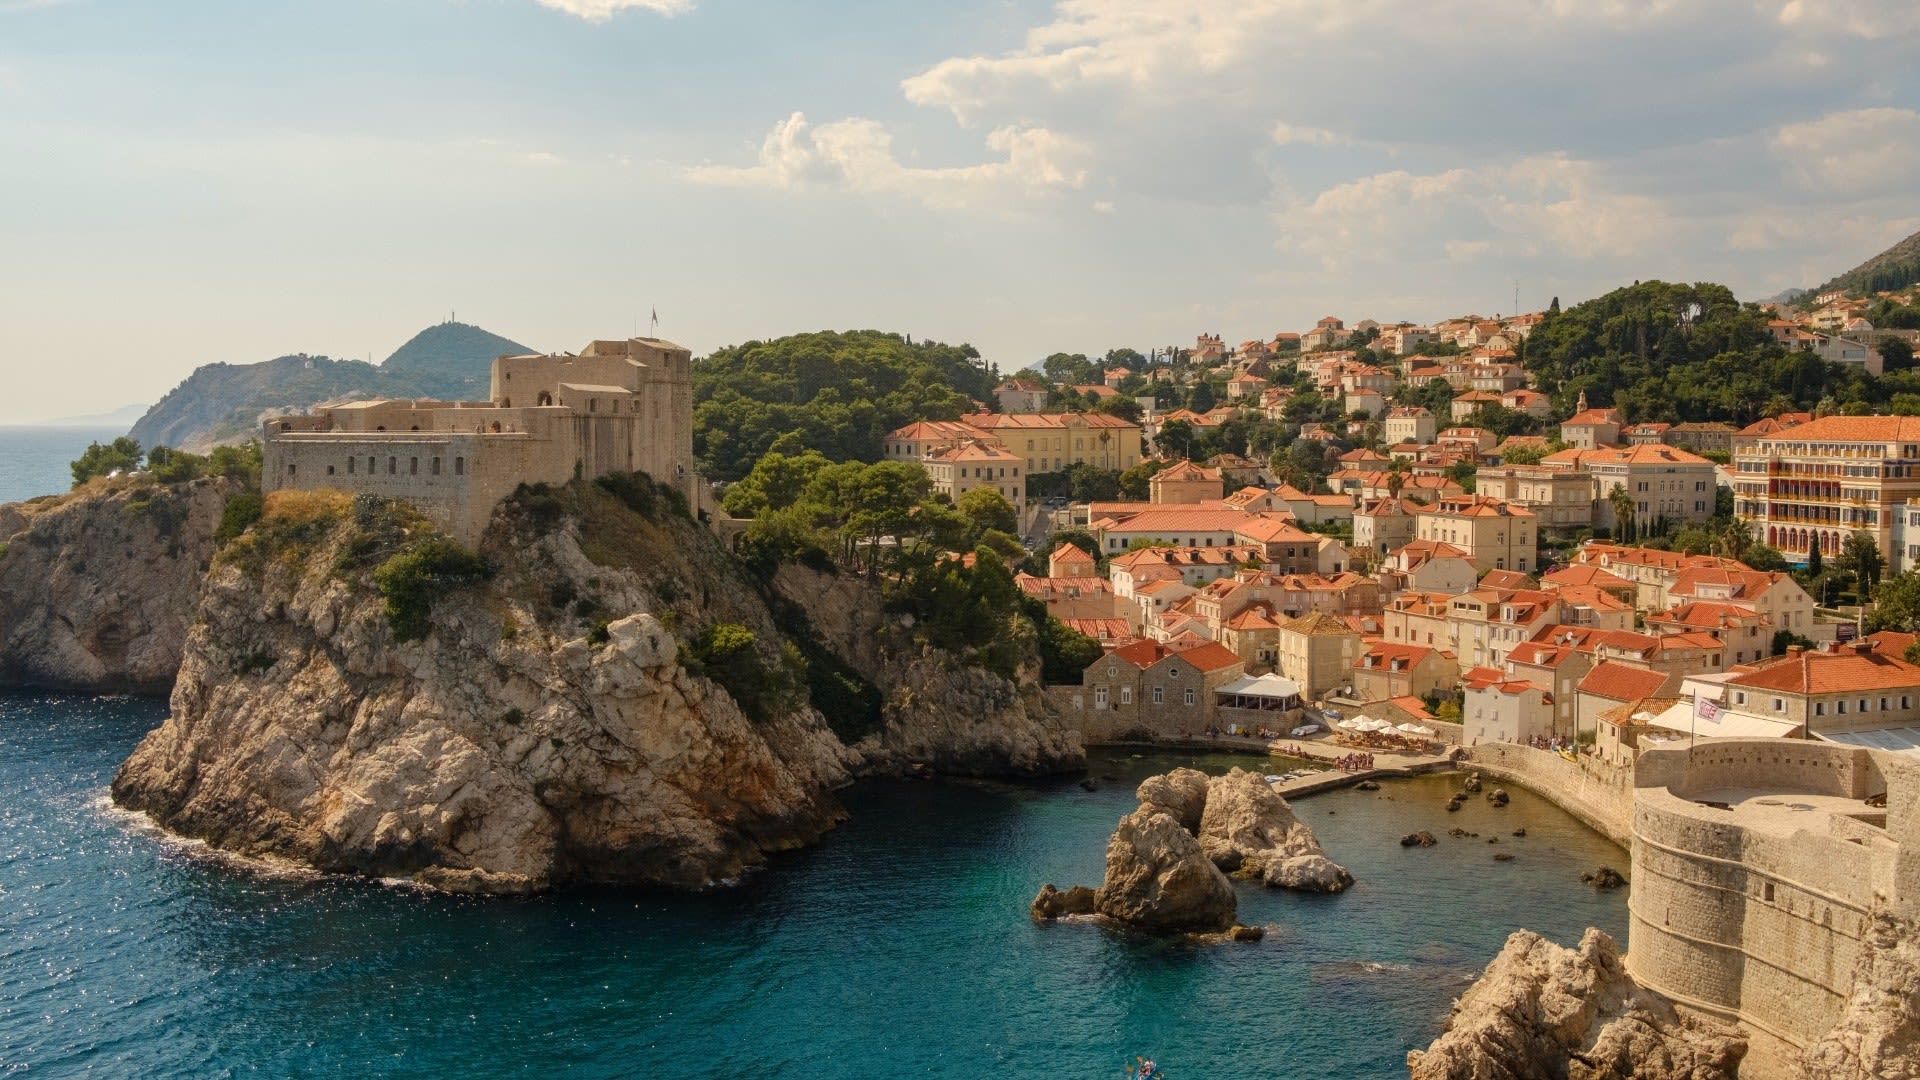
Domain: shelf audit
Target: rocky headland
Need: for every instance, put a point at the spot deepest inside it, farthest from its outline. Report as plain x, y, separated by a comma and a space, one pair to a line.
98, 587
1544, 1011
601, 694
1168, 860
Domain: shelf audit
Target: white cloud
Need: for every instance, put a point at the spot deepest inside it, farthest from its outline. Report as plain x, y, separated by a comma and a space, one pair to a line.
602, 10
857, 154
1857, 152
1285, 134
1541, 206
1854, 18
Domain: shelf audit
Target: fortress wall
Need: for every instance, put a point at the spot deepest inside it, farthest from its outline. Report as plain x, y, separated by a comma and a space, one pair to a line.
1762, 926
403, 467
1600, 796
1816, 768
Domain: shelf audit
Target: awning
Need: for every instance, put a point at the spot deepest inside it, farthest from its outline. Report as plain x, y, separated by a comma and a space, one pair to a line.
1262, 686
1729, 725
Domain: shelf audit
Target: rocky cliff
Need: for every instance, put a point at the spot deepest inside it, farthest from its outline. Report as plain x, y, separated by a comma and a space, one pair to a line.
97, 588
609, 698
1543, 1011
962, 720
1879, 1032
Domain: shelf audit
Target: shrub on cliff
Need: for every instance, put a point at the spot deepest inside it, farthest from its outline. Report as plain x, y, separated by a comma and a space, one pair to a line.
412, 580
105, 459
237, 516
729, 654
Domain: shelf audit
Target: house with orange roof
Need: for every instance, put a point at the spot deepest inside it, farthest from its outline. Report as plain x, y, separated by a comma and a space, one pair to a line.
1071, 561
1747, 636
1667, 483
1193, 566
1498, 707
1852, 693
1380, 525
1562, 500
1531, 402
964, 467
1555, 661
1471, 402
1317, 651
1071, 598
1495, 535
1184, 483
1645, 434
1772, 594
1052, 442
916, 440
1235, 470
1242, 387
1388, 670
1611, 684
1486, 623
1590, 429
1148, 687
1746, 437
1429, 566
1110, 633
1622, 730
1651, 569
1114, 376
1471, 441
1701, 437
1371, 402
1418, 618
1595, 577
1021, 395
1409, 423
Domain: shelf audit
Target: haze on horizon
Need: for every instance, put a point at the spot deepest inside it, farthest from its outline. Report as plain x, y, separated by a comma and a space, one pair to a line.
232, 181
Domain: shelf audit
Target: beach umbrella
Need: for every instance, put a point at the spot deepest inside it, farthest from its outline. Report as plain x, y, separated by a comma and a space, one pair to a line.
1416, 729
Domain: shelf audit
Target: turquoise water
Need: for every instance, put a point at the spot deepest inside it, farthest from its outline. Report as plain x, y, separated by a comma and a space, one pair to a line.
899, 947
34, 461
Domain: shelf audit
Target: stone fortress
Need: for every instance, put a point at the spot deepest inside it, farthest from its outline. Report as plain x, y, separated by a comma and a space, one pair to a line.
616, 406
1759, 867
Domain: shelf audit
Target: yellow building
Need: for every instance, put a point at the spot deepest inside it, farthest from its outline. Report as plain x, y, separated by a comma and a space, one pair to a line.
1183, 483
1496, 535
959, 469
1051, 442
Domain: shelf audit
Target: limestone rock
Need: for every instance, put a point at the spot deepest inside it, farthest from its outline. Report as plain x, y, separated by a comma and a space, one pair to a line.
1246, 933
1498, 796
1158, 879
1053, 903
1182, 793
1471, 783
1879, 1030
98, 588
958, 719
1247, 828
1541, 1010
1423, 838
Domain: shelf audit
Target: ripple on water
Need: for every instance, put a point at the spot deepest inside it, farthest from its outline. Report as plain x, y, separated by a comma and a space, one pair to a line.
899, 946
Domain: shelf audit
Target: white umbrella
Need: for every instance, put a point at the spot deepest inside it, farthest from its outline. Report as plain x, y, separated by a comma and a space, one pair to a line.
1416, 729
1377, 725
1353, 723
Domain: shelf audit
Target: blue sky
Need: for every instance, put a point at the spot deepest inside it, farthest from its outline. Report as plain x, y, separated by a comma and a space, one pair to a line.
191, 182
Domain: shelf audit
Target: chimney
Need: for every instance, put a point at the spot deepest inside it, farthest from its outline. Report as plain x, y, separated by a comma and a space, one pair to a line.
1861, 646
1796, 650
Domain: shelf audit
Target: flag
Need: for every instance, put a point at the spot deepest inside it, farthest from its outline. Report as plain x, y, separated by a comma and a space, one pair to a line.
656, 318
1706, 709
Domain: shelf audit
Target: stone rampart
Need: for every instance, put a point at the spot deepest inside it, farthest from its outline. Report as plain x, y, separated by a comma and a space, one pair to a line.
1758, 912
1599, 795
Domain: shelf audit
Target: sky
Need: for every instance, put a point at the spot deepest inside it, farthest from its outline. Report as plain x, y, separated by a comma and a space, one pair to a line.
233, 180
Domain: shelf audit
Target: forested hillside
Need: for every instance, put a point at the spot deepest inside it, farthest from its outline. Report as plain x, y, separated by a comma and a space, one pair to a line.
1677, 352
835, 392
1895, 268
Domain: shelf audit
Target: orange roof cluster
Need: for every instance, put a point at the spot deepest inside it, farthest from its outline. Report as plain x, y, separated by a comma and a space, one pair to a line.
1870, 429
1317, 624
1585, 575
1594, 418
1489, 678
1182, 471
1622, 682
1383, 656
974, 451
1475, 506
1843, 670
995, 421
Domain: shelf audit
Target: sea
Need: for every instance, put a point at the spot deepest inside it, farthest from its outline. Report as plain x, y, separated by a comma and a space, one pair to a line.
35, 460
900, 946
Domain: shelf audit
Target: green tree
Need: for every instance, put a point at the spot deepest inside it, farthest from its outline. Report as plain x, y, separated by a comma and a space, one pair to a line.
1523, 455
1202, 399
1623, 513
1174, 437
987, 510
1896, 602
1136, 483
1860, 556
776, 482
1896, 355
1814, 568
104, 459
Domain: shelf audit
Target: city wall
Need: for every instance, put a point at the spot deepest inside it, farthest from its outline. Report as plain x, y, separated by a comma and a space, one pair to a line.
1599, 795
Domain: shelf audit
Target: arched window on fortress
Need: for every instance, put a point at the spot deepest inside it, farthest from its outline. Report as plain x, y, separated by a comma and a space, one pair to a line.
505, 403
372, 465
459, 466
413, 466
352, 464
546, 398
329, 470
393, 466
436, 466
593, 404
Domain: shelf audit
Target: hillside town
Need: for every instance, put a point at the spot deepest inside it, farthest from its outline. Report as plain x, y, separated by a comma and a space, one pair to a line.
1456, 555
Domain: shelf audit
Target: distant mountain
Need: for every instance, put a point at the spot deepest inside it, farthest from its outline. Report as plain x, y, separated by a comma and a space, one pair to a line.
120, 417
1895, 268
226, 402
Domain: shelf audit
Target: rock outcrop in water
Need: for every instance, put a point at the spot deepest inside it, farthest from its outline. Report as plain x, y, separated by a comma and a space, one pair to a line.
1165, 861
1247, 828
1158, 879
1543, 1011
571, 718
98, 588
